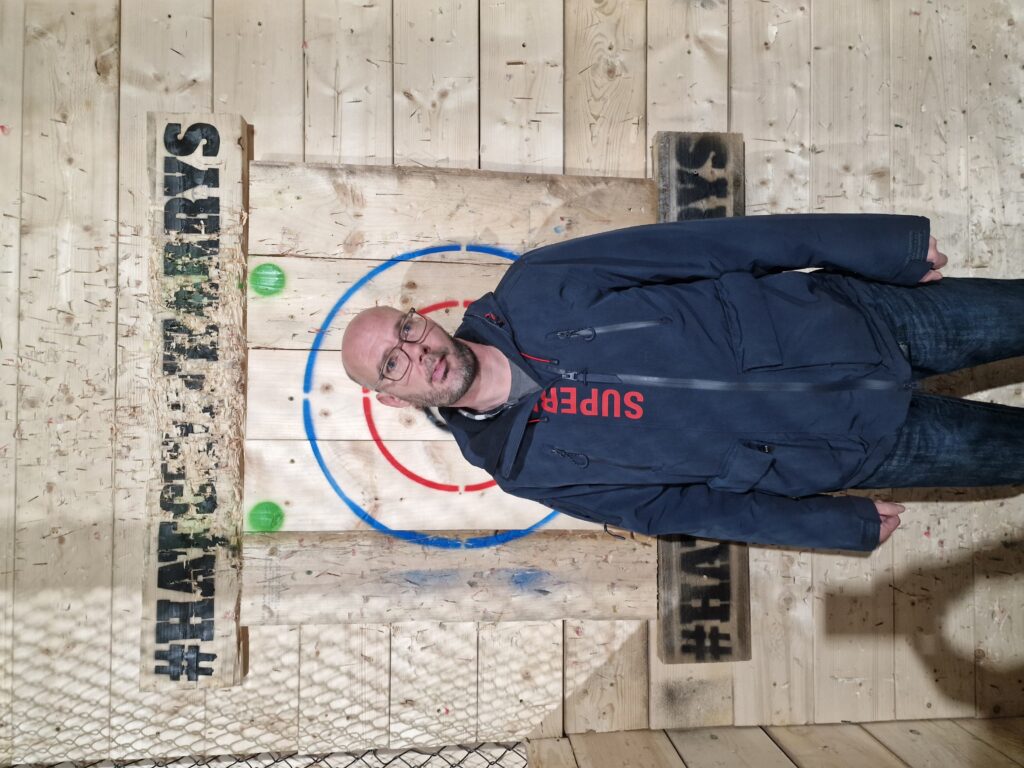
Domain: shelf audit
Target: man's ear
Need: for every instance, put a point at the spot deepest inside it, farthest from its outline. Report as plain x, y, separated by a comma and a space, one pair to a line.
394, 402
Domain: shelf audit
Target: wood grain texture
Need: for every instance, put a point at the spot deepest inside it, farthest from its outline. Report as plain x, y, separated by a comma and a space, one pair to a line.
347, 63
923, 743
770, 102
832, 746
606, 676
12, 38
728, 748
377, 213
66, 381
520, 680
261, 714
635, 749
687, 67
1005, 734
325, 578
605, 115
777, 685
550, 753
285, 472
433, 683
436, 83
292, 318
688, 695
166, 65
257, 74
344, 678
521, 86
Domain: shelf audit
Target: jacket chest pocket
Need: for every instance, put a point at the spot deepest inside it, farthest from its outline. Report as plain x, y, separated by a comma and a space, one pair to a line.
750, 325
791, 467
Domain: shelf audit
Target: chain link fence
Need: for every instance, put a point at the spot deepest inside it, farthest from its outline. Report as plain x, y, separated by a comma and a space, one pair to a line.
464, 756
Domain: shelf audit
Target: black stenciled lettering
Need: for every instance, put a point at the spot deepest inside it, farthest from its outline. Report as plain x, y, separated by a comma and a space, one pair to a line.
189, 258
181, 177
695, 187
697, 603
184, 661
711, 561
701, 643
194, 298
691, 212
179, 501
173, 543
192, 217
184, 621
196, 134
695, 155
184, 343
195, 576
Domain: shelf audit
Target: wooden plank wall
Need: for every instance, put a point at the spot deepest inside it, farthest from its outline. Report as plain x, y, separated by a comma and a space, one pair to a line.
882, 105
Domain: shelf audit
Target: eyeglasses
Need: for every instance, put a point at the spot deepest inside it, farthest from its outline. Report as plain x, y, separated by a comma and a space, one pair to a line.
411, 329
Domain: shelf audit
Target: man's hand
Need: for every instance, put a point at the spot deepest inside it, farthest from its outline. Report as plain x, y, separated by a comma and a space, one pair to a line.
889, 514
937, 259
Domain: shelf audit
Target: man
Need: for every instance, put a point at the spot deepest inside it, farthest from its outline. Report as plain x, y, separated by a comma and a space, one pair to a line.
673, 378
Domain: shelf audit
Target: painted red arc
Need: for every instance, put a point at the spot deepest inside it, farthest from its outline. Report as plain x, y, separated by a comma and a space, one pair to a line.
404, 470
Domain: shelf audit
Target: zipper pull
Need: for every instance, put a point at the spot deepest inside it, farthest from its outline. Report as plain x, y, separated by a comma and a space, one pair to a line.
571, 375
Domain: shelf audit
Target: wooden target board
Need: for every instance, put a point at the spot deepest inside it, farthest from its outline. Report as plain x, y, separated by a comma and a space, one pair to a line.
329, 241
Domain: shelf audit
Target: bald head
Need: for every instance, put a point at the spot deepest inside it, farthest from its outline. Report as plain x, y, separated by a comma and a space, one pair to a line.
436, 370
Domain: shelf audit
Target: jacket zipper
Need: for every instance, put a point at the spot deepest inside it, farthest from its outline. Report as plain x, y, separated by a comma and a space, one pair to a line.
731, 386
589, 334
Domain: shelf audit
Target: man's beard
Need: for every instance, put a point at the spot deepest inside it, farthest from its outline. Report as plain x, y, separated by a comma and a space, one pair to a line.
460, 377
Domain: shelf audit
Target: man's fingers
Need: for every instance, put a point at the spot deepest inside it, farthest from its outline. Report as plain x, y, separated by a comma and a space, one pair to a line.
931, 276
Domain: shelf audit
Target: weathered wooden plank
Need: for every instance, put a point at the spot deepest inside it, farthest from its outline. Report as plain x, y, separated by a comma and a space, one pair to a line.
605, 675
521, 44
520, 680
433, 683
850, 172
687, 66
344, 678
995, 81
294, 578
261, 714
1005, 734
550, 753
377, 213
12, 37
605, 125
728, 748
257, 72
166, 64
436, 83
291, 317
637, 749
832, 746
348, 89
285, 473
197, 262
921, 743
66, 378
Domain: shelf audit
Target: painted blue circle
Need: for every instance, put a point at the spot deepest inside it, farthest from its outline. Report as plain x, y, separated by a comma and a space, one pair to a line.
414, 537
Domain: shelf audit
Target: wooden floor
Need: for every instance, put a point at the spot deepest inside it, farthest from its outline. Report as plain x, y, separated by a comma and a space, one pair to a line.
875, 105
905, 744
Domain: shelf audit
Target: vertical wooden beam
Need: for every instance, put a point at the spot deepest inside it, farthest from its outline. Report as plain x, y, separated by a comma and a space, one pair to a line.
166, 64
258, 71
770, 61
605, 100
605, 676
995, 81
12, 37
347, 62
521, 87
850, 171
436, 83
66, 382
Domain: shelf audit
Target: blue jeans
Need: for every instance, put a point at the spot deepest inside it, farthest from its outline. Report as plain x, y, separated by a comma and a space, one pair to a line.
943, 327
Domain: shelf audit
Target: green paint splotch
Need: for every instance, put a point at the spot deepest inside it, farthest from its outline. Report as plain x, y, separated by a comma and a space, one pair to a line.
266, 516
267, 279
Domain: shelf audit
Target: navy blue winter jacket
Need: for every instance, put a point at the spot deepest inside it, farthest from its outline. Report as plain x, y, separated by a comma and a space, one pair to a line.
690, 385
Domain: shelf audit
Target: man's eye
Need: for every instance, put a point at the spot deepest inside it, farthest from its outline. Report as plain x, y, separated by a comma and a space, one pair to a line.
390, 365
406, 330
